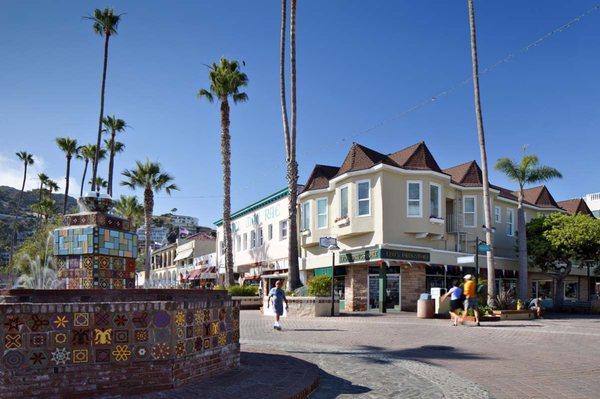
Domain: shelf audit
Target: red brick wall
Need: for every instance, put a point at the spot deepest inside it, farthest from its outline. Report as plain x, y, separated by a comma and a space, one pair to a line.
356, 288
412, 284
157, 339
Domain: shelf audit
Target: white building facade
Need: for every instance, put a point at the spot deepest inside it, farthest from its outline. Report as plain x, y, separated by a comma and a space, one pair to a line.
593, 202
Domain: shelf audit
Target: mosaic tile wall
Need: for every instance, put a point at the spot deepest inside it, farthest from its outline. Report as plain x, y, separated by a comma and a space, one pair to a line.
95, 271
52, 338
117, 243
90, 240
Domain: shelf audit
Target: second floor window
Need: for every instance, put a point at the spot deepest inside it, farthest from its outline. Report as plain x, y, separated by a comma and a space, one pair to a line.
270, 232
434, 200
260, 236
305, 225
497, 214
322, 213
414, 199
510, 222
238, 243
364, 198
469, 211
283, 229
344, 202
252, 239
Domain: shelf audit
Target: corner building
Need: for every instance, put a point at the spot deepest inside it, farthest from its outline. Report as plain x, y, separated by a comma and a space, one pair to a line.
403, 212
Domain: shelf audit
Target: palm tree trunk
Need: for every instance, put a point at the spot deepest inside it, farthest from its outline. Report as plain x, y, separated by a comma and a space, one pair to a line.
292, 175
522, 241
97, 157
41, 190
226, 162
148, 208
111, 162
16, 214
491, 287
67, 185
83, 178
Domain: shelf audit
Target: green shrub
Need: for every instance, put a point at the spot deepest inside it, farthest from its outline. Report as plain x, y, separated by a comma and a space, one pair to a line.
319, 286
243, 290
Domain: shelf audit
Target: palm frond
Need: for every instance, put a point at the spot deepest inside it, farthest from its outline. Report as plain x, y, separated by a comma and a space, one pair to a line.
542, 174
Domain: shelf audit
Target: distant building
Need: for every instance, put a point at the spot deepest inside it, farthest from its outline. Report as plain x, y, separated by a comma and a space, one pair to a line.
593, 202
188, 222
157, 235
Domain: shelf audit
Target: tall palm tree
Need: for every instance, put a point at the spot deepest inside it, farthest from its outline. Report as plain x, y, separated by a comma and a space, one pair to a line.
44, 208
489, 238
113, 125
44, 179
149, 177
99, 183
70, 148
52, 187
527, 171
27, 160
105, 24
128, 207
290, 140
226, 80
88, 153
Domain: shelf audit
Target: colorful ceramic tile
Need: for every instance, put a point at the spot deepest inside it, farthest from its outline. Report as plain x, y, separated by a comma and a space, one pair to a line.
60, 356
80, 356
121, 353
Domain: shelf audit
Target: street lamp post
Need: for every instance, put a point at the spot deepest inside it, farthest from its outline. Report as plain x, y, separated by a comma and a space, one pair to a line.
333, 248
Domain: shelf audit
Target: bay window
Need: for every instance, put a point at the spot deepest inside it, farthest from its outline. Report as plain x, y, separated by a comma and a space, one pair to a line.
322, 213
344, 202
470, 211
305, 221
414, 199
435, 198
364, 198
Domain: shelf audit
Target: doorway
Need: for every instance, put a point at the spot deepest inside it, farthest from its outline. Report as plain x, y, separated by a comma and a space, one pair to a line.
392, 292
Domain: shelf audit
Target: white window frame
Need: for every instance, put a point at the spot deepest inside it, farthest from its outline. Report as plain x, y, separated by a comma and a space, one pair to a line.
305, 216
322, 214
368, 199
439, 198
510, 222
420, 183
282, 224
474, 198
497, 214
260, 237
253, 239
270, 232
342, 188
245, 242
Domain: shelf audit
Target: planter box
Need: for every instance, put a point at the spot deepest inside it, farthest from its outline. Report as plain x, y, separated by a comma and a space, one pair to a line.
472, 318
248, 302
308, 306
342, 222
433, 220
515, 314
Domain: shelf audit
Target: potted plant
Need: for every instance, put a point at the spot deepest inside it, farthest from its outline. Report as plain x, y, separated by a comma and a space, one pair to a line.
436, 219
342, 221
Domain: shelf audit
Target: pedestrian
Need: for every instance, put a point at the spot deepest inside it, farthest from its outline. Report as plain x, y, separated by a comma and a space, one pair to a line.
456, 299
536, 305
470, 291
278, 296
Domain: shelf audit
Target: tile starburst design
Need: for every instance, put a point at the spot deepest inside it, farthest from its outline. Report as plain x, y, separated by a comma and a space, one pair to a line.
61, 356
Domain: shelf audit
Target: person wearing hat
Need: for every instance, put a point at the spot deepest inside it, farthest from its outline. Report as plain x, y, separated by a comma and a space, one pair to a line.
470, 292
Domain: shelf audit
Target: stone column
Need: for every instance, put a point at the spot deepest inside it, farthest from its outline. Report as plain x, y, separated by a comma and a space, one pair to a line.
412, 283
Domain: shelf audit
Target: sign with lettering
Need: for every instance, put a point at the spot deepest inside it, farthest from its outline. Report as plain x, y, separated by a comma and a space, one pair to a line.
327, 242
401, 254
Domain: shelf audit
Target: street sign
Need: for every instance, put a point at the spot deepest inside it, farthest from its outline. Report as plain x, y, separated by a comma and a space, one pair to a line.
461, 260
326, 242
483, 247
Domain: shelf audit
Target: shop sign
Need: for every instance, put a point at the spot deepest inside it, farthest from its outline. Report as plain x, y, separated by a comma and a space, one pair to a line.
404, 255
359, 256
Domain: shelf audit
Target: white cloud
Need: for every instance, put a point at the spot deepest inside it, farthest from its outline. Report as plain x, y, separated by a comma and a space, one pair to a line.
11, 174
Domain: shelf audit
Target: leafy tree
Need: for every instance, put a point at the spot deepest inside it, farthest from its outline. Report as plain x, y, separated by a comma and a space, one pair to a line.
527, 171
483, 152
88, 153
70, 148
113, 125
226, 80
45, 208
43, 178
558, 241
128, 207
27, 160
149, 177
105, 23
290, 140
39, 245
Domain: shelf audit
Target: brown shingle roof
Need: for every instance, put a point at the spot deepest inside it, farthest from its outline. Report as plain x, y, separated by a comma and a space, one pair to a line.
575, 205
360, 157
539, 196
320, 176
417, 156
466, 174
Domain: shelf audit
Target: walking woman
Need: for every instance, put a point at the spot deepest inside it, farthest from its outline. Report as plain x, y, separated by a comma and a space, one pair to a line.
278, 296
456, 299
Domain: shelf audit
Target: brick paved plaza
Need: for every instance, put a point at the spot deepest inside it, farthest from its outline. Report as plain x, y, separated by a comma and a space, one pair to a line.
398, 355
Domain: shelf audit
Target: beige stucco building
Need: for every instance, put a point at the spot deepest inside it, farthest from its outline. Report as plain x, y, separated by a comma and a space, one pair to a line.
403, 211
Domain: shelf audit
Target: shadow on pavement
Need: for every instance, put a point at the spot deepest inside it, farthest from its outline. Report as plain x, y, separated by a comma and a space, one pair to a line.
508, 325
425, 354
331, 386
314, 329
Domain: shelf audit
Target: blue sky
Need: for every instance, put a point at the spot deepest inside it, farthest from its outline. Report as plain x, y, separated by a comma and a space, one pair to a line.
359, 63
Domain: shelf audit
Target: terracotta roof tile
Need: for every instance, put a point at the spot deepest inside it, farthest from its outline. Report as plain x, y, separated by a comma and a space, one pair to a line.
466, 174
575, 205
